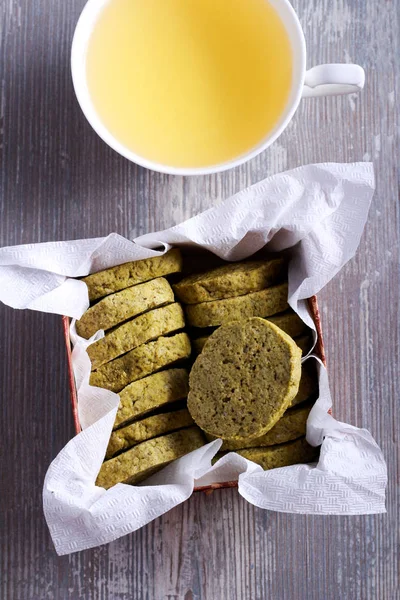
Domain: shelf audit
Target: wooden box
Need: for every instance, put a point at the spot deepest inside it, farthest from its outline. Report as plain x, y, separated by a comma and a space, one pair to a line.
319, 351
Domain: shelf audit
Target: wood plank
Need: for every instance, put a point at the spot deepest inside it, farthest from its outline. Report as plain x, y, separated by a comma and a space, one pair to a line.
59, 181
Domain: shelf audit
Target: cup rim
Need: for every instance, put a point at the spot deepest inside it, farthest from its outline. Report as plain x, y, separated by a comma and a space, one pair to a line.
84, 26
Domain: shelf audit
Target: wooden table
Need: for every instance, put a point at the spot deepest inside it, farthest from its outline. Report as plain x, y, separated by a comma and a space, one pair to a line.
60, 181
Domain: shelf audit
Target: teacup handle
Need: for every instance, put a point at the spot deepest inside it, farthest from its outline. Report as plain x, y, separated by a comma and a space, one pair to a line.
331, 80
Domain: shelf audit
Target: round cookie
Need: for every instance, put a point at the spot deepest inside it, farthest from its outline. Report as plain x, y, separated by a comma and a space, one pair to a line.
257, 304
117, 278
146, 458
141, 361
134, 333
289, 321
230, 280
289, 427
119, 307
145, 395
245, 378
148, 428
282, 455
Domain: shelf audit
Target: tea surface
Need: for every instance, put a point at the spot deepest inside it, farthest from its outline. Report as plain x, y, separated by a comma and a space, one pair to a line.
189, 83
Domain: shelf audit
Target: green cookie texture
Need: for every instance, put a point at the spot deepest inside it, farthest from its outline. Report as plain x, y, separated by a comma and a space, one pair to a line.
120, 307
141, 361
245, 378
289, 427
289, 321
146, 458
230, 280
284, 455
138, 331
150, 393
257, 304
152, 427
122, 276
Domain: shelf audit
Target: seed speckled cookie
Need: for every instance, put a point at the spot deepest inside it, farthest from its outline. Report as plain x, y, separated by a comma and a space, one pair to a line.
146, 458
283, 455
288, 321
234, 279
120, 277
124, 305
149, 393
244, 380
142, 329
257, 304
152, 427
289, 427
141, 361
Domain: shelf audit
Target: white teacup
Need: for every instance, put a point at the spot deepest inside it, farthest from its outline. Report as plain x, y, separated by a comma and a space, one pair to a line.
322, 80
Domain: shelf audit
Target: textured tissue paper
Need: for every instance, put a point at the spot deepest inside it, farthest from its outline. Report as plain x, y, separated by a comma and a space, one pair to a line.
319, 209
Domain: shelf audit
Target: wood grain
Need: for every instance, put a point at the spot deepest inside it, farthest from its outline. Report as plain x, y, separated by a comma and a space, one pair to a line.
59, 181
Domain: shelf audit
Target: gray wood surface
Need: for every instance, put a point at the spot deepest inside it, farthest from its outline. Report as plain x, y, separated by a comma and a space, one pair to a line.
59, 181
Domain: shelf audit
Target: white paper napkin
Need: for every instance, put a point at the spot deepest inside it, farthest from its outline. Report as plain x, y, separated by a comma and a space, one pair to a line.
320, 210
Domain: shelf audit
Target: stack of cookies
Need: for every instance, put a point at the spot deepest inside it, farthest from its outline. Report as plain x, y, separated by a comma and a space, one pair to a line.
142, 357
235, 291
246, 385
217, 304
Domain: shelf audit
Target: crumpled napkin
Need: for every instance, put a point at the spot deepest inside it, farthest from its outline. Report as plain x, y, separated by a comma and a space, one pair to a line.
320, 211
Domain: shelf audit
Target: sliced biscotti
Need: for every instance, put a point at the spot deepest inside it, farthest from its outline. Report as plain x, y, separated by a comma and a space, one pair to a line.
146, 458
122, 276
142, 329
289, 427
230, 280
244, 380
124, 305
141, 361
283, 455
152, 392
148, 428
257, 304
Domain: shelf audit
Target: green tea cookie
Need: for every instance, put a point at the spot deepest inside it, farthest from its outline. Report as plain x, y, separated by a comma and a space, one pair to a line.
283, 455
146, 458
308, 385
234, 279
152, 427
257, 304
289, 427
288, 321
244, 380
141, 361
141, 330
149, 393
131, 273
124, 305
